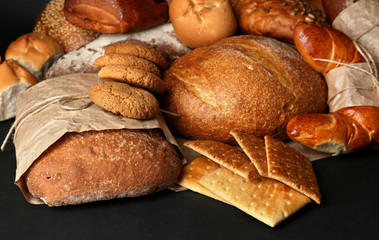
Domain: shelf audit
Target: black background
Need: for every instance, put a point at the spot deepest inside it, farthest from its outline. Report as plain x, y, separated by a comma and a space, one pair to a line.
349, 187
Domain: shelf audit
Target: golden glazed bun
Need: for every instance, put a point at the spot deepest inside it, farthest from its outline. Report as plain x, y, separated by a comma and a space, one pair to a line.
245, 83
199, 23
101, 165
52, 22
36, 52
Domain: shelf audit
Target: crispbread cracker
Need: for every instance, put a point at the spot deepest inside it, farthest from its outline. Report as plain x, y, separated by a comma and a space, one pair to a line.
267, 200
254, 148
195, 170
225, 155
287, 165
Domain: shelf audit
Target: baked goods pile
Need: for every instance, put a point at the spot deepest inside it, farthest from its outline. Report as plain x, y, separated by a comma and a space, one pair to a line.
234, 79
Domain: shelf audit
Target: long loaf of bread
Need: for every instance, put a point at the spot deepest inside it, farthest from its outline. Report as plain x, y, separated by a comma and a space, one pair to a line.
325, 42
346, 130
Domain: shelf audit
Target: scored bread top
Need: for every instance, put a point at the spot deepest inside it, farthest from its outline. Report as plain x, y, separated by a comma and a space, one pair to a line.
248, 83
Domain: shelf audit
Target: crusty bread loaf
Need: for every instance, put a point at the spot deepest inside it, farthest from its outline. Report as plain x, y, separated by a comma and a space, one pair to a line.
52, 22
199, 23
101, 165
248, 83
116, 16
334, 7
36, 52
276, 18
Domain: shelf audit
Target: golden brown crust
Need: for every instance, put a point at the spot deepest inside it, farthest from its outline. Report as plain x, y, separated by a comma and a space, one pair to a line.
346, 130
321, 41
52, 22
101, 165
127, 60
199, 23
276, 18
258, 92
34, 51
121, 98
12, 73
116, 16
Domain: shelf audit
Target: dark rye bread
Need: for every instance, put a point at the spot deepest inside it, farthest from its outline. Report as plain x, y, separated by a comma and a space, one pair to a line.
100, 165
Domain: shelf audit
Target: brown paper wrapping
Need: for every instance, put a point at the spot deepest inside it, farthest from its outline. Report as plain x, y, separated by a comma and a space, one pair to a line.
360, 22
351, 87
48, 110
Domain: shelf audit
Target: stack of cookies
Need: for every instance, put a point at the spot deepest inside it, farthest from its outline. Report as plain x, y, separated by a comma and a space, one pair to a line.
137, 69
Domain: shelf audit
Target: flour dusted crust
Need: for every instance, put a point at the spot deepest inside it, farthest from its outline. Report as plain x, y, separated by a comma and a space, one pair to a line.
82, 60
100, 165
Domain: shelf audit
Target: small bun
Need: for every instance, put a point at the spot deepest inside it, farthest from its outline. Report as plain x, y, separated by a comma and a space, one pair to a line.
13, 80
35, 51
52, 22
201, 23
12, 73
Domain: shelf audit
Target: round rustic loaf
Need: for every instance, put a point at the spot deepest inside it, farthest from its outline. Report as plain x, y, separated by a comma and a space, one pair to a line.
101, 165
247, 83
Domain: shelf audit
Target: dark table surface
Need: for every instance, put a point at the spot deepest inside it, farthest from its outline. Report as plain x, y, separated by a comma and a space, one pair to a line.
349, 187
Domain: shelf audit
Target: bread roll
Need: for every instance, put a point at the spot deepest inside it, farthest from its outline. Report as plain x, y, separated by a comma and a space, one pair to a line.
322, 41
199, 23
52, 22
36, 52
346, 130
14, 79
247, 83
101, 165
116, 16
334, 7
276, 18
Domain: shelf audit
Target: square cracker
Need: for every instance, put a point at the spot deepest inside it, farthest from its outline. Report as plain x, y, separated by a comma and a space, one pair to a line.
254, 148
290, 167
225, 155
267, 200
195, 170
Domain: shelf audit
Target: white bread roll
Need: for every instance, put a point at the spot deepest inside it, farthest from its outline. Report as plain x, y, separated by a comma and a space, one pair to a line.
245, 83
36, 52
200, 23
14, 79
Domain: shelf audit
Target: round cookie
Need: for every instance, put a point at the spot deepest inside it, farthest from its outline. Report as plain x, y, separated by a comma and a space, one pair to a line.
121, 98
127, 60
138, 50
133, 76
